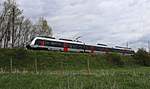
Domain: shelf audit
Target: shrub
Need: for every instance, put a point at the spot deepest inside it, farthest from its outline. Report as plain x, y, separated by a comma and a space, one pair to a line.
20, 53
142, 57
114, 59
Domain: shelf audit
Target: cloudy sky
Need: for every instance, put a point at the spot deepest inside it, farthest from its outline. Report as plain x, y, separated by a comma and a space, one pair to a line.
113, 22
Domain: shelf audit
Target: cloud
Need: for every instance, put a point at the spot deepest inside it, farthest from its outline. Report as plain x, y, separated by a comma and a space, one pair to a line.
114, 22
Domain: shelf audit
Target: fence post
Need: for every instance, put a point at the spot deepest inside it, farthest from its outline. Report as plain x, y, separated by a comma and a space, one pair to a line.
68, 83
62, 68
36, 68
88, 67
11, 66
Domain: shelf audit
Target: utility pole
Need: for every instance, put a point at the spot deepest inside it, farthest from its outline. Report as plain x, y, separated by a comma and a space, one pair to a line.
127, 45
148, 46
13, 24
77, 38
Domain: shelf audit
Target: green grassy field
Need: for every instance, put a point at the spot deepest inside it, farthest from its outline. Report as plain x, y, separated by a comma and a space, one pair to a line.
25, 69
118, 78
20, 59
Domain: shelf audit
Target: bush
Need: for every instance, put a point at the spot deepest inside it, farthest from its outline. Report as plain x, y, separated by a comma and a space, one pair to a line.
20, 53
142, 57
114, 59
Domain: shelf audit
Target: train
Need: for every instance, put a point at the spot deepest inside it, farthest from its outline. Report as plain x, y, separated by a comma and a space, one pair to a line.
67, 45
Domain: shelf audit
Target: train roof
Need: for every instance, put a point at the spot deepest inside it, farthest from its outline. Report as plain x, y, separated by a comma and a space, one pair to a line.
47, 37
102, 44
59, 40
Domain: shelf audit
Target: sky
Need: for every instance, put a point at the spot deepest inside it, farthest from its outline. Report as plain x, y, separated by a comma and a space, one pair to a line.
112, 22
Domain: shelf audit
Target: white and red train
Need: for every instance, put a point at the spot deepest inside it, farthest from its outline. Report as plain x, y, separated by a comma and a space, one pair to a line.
64, 45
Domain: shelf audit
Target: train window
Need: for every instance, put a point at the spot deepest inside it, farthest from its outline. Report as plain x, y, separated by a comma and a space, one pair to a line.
47, 43
80, 46
37, 42
102, 49
97, 48
54, 43
57, 44
88, 47
76, 46
40, 42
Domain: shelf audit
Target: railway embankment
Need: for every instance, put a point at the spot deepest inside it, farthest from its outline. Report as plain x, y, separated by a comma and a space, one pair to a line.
21, 59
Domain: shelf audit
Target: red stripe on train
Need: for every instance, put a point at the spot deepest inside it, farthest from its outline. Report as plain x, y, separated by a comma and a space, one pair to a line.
65, 47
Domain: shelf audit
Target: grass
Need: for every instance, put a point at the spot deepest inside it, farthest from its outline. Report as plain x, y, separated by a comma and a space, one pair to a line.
25, 69
21, 59
120, 78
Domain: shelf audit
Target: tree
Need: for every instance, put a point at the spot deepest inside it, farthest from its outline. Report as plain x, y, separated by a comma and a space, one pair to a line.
142, 57
14, 27
16, 20
42, 28
5, 23
16, 30
26, 32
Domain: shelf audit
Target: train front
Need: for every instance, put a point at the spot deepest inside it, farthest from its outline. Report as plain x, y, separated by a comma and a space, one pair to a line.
28, 46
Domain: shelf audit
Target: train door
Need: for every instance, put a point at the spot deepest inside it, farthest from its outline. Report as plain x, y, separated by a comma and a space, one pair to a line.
92, 49
107, 50
65, 47
42, 42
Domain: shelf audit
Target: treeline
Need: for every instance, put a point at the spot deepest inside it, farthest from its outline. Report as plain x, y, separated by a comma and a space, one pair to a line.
15, 29
142, 57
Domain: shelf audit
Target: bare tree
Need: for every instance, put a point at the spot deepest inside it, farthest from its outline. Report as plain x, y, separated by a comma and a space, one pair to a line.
5, 23
16, 30
42, 28
9, 23
24, 33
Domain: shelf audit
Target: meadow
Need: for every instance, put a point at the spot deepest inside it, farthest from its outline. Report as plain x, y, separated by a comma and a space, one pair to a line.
25, 69
118, 78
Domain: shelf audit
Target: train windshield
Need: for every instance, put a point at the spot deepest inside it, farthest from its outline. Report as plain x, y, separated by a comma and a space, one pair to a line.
32, 39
